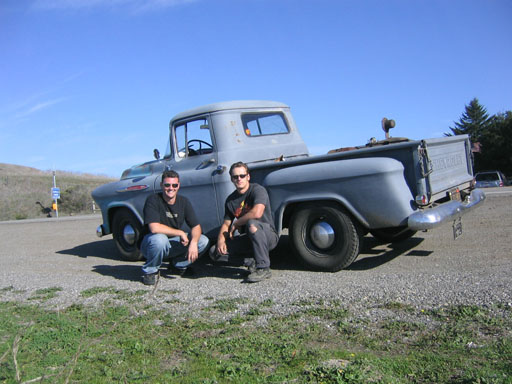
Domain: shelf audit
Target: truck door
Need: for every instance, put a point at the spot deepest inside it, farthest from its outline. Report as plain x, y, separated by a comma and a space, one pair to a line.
195, 159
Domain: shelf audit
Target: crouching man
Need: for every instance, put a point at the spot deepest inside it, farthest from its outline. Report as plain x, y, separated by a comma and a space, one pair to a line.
164, 215
248, 230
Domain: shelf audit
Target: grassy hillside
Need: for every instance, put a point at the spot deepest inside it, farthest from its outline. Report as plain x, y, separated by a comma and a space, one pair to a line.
21, 187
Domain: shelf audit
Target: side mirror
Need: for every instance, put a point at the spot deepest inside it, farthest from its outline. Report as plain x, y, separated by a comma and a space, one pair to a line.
156, 153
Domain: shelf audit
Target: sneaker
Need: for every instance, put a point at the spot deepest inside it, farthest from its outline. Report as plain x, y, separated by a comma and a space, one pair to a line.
183, 272
149, 278
251, 266
259, 275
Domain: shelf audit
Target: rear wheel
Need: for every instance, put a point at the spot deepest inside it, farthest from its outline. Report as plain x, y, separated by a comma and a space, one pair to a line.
392, 235
126, 229
324, 238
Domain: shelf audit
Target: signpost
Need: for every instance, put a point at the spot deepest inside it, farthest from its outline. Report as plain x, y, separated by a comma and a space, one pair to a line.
55, 193
55, 196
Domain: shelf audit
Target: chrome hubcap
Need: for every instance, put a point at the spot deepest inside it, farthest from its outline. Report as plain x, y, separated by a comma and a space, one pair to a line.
129, 234
322, 235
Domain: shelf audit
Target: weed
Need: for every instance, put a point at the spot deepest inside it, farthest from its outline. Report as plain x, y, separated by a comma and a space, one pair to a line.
393, 305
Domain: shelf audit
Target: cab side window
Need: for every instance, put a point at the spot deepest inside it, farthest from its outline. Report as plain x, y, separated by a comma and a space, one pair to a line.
193, 138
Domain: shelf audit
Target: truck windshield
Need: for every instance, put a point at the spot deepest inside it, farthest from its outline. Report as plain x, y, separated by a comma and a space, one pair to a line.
259, 124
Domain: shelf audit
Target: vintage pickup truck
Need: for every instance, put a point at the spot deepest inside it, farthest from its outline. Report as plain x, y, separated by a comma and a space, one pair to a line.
390, 188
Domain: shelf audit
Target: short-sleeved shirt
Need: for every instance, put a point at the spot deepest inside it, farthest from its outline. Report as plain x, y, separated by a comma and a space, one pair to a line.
238, 204
156, 210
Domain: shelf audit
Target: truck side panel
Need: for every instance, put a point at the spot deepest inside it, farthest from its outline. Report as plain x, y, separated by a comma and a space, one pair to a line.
356, 184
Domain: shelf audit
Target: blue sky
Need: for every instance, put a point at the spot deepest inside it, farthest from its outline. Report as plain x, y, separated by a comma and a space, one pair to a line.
90, 85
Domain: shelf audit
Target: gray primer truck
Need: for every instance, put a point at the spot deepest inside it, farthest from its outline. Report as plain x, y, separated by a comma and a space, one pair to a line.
390, 188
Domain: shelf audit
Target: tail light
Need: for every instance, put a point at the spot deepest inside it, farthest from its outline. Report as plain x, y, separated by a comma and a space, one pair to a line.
421, 200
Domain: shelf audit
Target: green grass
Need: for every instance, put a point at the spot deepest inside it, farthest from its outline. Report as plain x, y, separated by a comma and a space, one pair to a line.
322, 342
45, 294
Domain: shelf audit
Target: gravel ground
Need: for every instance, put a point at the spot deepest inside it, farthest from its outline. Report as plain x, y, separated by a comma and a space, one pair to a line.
430, 270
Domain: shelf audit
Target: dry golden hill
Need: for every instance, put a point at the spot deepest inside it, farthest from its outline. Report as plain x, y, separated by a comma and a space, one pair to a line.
22, 187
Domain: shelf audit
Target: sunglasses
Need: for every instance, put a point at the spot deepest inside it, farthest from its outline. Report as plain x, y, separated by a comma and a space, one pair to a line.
242, 176
167, 185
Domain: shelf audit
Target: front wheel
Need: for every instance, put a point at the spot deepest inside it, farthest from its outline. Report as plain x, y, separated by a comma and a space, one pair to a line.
324, 238
126, 230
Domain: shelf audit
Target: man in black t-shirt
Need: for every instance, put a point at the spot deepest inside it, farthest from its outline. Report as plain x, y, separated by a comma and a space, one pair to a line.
164, 215
248, 228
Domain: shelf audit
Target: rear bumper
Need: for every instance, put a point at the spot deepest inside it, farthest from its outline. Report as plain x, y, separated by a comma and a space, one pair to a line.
430, 218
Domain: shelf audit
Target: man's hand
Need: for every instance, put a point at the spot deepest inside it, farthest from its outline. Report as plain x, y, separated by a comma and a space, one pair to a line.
184, 239
222, 249
193, 252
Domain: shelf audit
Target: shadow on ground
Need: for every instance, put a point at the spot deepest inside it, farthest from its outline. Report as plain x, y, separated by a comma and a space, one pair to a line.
373, 254
372, 257
105, 249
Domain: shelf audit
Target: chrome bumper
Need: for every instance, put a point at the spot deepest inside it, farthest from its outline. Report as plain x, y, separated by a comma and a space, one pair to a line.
430, 218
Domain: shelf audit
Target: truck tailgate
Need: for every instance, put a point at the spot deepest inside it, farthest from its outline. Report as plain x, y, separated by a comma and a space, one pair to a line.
449, 164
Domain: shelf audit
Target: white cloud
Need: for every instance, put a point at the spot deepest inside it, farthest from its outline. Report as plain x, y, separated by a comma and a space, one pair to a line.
38, 107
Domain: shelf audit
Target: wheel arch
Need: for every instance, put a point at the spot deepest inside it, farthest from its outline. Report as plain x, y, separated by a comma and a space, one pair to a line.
119, 207
285, 213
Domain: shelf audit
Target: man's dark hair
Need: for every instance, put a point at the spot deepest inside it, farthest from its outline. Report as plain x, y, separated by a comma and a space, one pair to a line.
170, 174
238, 164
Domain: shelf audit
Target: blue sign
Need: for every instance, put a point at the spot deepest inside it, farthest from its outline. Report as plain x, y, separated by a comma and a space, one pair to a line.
55, 193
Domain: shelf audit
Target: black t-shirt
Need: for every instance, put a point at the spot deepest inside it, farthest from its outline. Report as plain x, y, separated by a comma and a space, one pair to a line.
156, 210
238, 204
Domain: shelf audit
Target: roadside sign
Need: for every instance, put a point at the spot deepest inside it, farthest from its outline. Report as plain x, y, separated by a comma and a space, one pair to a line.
55, 193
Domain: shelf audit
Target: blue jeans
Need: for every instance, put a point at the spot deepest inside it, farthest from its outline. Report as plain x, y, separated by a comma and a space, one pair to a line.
157, 247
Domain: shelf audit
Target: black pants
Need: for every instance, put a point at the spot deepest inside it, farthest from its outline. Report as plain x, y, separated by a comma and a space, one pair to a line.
259, 240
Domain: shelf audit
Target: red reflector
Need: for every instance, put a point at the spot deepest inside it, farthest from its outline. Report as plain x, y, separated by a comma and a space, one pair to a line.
136, 187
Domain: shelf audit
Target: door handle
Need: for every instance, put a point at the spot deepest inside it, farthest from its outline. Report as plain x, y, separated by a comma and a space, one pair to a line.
206, 162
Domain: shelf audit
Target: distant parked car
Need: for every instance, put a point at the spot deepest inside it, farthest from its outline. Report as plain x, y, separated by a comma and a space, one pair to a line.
490, 179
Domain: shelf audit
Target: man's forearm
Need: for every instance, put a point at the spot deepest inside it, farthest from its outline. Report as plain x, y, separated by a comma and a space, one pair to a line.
224, 232
195, 234
164, 229
255, 213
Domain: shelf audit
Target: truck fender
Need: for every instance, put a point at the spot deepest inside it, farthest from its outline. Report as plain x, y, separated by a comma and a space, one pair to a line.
112, 209
280, 211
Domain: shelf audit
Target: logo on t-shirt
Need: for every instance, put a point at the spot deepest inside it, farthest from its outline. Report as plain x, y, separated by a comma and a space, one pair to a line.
171, 215
242, 209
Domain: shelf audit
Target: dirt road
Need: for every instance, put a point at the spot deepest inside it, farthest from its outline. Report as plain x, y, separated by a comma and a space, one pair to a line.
428, 270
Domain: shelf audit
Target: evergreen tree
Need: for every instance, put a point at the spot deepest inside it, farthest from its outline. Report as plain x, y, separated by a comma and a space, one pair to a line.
496, 144
473, 122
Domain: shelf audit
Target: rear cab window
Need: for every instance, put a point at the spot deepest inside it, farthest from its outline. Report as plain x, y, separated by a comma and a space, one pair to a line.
264, 124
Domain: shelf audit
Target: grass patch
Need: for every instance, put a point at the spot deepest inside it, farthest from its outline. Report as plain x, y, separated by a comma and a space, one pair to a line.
118, 344
10, 289
119, 294
45, 294
228, 305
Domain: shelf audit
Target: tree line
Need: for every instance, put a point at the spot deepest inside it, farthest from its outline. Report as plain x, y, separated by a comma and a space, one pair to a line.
491, 137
